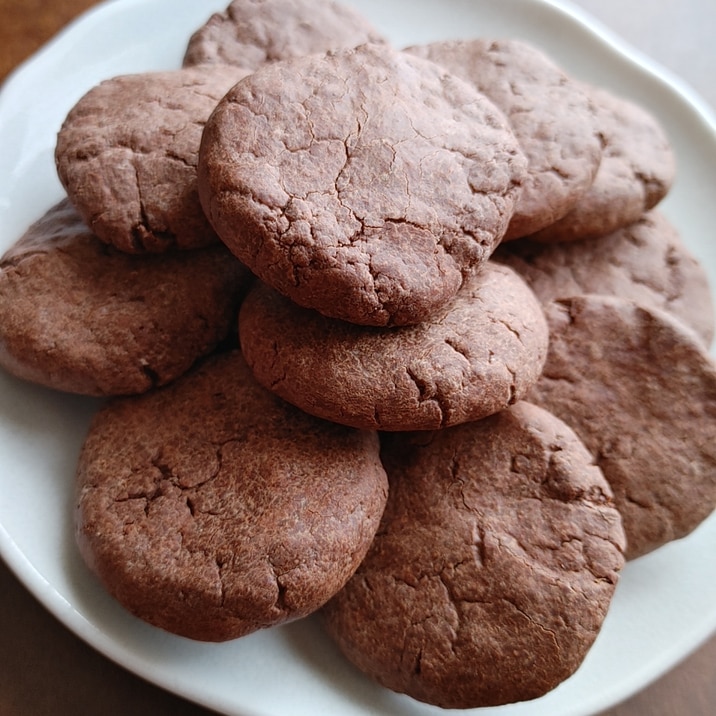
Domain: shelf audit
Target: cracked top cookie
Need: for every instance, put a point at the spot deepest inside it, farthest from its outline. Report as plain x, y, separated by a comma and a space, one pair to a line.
550, 114
365, 184
639, 389
477, 356
637, 170
127, 152
80, 316
493, 567
211, 508
250, 33
646, 262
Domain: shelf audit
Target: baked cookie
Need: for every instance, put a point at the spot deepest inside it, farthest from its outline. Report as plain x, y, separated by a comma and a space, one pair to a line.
637, 170
646, 262
80, 316
250, 33
477, 356
127, 151
364, 184
550, 114
493, 567
211, 508
639, 389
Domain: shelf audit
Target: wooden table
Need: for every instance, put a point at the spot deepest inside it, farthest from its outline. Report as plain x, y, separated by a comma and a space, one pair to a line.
44, 669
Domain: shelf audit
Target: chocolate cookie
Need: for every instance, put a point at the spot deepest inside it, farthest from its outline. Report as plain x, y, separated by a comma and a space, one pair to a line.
364, 184
637, 170
477, 356
493, 567
550, 114
646, 262
80, 316
639, 389
127, 153
250, 33
211, 508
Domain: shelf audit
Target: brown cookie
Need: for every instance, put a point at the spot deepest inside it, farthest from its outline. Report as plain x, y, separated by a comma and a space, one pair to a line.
127, 153
637, 170
80, 316
211, 508
639, 389
479, 355
550, 114
493, 567
646, 262
364, 184
250, 33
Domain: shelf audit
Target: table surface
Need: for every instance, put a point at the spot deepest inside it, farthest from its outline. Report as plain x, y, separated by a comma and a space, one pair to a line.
45, 669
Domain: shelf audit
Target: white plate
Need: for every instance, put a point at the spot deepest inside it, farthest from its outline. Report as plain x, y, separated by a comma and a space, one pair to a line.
665, 605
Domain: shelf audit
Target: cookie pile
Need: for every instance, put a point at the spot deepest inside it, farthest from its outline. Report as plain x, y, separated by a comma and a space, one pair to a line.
394, 335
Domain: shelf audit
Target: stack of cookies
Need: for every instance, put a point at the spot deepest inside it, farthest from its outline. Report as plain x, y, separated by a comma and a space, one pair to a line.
393, 335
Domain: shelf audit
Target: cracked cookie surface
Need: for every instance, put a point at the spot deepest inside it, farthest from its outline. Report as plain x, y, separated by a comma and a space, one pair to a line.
250, 33
639, 389
211, 508
494, 565
646, 262
480, 354
127, 152
365, 184
80, 316
636, 172
550, 114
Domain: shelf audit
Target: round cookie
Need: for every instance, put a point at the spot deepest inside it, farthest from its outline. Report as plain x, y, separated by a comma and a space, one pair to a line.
550, 114
480, 354
493, 567
639, 389
637, 170
127, 152
250, 33
646, 262
80, 316
211, 508
364, 184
